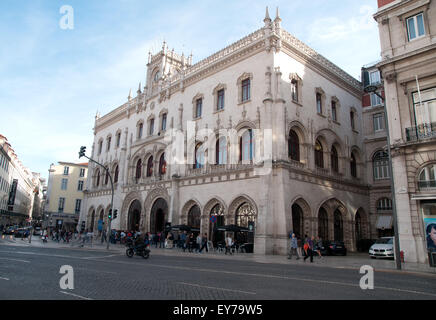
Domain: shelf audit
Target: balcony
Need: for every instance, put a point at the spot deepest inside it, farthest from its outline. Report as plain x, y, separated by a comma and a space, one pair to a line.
218, 168
421, 132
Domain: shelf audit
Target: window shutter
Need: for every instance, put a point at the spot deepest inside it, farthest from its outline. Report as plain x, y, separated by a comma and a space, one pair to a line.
365, 79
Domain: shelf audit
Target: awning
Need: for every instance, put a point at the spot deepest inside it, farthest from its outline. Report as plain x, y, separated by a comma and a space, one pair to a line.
384, 222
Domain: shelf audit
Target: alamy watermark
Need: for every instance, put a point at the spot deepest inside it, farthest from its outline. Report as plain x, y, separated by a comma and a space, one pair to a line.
229, 147
367, 281
67, 280
67, 20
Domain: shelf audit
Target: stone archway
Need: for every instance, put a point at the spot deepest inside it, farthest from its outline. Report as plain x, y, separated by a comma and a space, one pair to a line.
158, 216
124, 214
214, 208
134, 216
299, 221
340, 224
323, 224
150, 200
243, 212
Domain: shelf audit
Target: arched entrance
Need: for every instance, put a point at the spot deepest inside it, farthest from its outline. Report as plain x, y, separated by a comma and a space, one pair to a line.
323, 226
246, 217
158, 216
194, 216
134, 216
297, 220
338, 226
217, 213
91, 227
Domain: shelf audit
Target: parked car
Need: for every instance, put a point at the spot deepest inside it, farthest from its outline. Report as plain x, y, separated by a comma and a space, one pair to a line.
22, 232
10, 230
37, 231
382, 248
332, 248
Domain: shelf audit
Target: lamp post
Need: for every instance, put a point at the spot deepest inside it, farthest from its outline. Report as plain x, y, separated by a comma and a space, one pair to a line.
108, 233
373, 89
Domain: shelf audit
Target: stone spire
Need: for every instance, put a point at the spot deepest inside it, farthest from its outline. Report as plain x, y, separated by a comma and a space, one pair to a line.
277, 20
130, 95
139, 89
267, 19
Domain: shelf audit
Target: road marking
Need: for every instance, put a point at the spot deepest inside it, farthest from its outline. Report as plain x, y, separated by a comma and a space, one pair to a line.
16, 260
207, 287
4, 279
234, 273
75, 295
112, 255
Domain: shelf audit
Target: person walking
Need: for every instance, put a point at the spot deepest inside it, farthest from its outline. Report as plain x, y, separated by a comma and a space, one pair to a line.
294, 247
204, 243
183, 237
309, 249
198, 243
191, 242
229, 243
318, 247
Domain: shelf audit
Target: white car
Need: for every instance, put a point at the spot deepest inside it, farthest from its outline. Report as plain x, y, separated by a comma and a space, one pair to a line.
382, 248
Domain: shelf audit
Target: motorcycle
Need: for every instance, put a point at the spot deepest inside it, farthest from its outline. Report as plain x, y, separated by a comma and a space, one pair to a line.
138, 249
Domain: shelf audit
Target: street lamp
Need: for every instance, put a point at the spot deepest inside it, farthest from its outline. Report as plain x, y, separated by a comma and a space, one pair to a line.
82, 154
373, 89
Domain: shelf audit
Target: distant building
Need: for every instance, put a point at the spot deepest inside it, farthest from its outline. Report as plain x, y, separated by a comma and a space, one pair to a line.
376, 156
17, 187
408, 67
64, 198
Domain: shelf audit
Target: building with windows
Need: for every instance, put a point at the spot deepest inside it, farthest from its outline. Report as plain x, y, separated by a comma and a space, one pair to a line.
376, 156
265, 134
18, 186
65, 193
408, 67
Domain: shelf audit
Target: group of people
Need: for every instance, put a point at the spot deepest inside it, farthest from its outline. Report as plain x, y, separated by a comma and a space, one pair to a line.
306, 247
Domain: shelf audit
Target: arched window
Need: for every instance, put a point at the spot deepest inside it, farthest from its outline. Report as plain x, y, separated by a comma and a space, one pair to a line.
194, 216
319, 155
353, 166
323, 230
116, 174
334, 159
199, 156
427, 177
221, 151
293, 146
150, 166
138, 169
156, 76
338, 226
380, 163
97, 183
162, 165
245, 214
106, 178
140, 129
384, 204
246, 146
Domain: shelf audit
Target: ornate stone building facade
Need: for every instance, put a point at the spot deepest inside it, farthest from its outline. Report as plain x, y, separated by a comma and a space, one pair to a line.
407, 32
280, 99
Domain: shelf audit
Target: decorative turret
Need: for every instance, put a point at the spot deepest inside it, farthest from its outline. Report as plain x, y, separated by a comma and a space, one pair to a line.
267, 19
139, 89
277, 20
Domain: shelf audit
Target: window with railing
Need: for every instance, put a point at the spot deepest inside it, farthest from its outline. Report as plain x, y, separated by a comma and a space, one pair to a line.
424, 107
380, 163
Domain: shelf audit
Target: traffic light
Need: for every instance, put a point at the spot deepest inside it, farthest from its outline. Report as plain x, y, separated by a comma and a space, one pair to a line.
115, 213
110, 214
82, 151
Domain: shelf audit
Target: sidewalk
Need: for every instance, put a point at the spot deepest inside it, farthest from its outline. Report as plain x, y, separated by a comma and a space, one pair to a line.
351, 261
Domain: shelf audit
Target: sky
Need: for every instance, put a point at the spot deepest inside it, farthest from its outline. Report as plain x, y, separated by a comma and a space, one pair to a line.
54, 79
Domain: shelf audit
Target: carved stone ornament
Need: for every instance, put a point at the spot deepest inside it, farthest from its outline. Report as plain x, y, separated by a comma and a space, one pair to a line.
390, 76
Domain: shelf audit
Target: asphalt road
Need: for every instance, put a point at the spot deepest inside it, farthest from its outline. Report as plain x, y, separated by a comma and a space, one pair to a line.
34, 274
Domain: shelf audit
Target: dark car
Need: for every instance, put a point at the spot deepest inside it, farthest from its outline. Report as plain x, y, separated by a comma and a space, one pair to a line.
332, 248
22, 233
10, 230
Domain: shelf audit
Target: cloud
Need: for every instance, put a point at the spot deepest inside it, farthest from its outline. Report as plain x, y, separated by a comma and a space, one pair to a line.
336, 29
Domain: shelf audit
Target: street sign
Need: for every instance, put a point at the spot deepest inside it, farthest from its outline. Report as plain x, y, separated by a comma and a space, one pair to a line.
213, 219
100, 225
